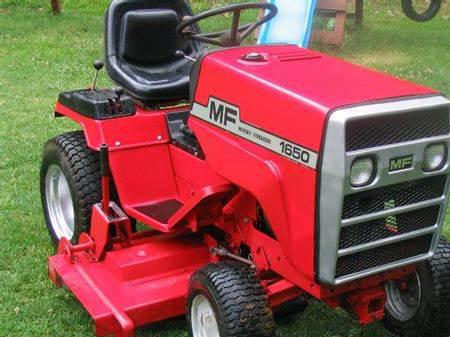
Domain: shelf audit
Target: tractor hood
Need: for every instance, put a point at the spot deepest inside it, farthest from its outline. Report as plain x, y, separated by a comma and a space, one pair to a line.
259, 114
289, 91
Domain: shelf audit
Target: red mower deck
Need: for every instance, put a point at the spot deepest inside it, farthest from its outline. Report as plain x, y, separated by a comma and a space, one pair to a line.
133, 286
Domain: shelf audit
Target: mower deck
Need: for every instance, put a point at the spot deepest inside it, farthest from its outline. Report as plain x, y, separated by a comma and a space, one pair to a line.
131, 287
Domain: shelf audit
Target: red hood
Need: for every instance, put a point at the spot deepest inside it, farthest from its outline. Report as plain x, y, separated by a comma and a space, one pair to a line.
294, 89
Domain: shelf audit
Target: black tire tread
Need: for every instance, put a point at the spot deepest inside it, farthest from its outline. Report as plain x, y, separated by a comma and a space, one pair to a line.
84, 171
433, 319
241, 298
437, 323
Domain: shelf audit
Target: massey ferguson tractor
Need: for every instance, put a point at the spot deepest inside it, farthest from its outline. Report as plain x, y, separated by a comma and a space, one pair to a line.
236, 184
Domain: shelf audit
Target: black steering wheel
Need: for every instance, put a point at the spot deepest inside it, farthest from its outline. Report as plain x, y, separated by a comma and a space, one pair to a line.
233, 36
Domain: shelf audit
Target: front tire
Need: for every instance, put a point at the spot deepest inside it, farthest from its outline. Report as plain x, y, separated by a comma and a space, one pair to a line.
227, 300
70, 185
420, 307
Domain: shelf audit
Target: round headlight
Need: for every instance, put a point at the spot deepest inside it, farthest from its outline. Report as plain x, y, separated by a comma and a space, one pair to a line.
362, 172
434, 157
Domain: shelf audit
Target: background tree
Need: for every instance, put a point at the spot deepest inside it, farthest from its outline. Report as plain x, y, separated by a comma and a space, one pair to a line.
56, 6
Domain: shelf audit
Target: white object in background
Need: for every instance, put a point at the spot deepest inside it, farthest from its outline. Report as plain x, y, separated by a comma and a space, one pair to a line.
293, 24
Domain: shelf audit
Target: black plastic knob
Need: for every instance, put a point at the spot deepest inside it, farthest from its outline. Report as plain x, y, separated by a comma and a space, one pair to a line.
180, 54
119, 91
98, 65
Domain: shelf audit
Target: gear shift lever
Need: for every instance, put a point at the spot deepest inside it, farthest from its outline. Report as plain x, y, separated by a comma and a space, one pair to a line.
98, 65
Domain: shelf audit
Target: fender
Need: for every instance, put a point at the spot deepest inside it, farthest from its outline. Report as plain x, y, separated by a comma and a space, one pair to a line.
138, 130
266, 185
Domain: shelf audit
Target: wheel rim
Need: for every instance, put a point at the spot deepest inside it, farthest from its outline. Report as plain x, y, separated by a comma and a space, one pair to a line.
59, 203
203, 319
403, 298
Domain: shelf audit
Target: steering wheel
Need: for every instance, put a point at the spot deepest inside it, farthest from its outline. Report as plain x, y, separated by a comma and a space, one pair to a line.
227, 38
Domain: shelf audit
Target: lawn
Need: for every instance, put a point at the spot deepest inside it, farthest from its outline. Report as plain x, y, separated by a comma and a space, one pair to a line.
41, 55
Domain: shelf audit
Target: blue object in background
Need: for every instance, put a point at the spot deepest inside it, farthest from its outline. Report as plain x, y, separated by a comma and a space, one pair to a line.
293, 24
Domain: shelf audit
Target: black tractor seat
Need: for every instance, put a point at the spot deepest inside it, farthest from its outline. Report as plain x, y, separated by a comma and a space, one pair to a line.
141, 45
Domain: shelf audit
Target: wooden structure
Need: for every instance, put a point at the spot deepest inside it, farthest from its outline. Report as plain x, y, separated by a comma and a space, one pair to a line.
337, 9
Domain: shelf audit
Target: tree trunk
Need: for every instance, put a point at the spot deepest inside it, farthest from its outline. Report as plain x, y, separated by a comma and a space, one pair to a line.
56, 7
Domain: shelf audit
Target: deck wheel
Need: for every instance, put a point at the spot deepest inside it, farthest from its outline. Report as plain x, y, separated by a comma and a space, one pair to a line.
227, 300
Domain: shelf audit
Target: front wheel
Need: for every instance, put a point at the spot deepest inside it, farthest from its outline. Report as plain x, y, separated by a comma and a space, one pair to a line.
422, 13
227, 300
420, 305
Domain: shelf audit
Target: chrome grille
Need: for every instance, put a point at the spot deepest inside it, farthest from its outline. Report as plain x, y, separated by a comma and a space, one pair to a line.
396, 128
393, 196
379, 256
389, 226
397, 219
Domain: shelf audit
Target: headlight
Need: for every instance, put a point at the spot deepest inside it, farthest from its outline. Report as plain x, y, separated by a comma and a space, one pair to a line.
435, 156
362, 172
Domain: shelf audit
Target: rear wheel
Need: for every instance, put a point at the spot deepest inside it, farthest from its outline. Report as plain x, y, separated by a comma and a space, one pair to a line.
227, 300
70, 185
420, 305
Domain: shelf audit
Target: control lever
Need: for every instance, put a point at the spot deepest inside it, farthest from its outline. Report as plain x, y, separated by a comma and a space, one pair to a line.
119, 92
116, 104
98, 65
181, 54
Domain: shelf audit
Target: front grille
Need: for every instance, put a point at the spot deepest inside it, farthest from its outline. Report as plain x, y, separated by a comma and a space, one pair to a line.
380, 256
393, 196
376, 229
396, 128
389, 226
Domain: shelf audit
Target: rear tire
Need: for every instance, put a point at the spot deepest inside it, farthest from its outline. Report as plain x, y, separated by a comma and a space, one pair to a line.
430, 317
411, 12
227, 300
70, 185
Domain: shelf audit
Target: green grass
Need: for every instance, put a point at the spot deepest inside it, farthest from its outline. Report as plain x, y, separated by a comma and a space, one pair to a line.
41, 55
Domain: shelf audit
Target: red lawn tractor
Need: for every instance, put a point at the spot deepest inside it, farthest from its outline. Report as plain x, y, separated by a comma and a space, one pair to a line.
237, 184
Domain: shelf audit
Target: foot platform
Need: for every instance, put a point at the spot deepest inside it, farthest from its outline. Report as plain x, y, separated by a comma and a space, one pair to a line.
165, 215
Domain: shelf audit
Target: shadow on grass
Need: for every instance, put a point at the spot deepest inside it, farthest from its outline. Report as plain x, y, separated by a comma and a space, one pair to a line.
317, 320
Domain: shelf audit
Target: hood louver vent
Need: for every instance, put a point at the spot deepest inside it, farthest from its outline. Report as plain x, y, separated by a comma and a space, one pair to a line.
302, 54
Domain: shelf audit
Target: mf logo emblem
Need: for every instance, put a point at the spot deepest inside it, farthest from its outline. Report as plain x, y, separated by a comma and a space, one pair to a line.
400, 163
227, 117
221, 113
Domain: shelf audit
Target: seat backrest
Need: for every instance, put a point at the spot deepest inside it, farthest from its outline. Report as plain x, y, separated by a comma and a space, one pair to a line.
147, 36
141, 44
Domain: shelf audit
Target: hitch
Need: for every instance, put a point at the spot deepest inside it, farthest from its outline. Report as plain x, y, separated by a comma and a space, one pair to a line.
107, 217
368, 304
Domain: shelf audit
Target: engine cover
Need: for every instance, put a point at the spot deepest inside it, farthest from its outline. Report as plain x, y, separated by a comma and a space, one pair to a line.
260, 114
